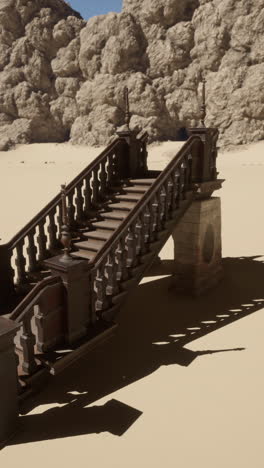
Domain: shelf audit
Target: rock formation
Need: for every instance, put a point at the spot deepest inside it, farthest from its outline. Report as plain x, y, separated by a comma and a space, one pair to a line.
63, 78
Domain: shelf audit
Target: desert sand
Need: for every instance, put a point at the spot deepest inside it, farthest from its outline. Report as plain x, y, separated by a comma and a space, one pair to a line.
191, 403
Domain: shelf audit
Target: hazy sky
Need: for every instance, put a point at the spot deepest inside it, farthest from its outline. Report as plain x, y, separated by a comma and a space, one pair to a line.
89, 8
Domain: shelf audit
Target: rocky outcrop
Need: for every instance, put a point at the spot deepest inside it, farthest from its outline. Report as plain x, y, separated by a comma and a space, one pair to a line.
63, 78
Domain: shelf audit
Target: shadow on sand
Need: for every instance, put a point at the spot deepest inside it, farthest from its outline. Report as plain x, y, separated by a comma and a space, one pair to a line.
155, 326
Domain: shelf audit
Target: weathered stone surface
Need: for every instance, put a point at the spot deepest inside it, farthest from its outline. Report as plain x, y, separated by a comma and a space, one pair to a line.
66, 76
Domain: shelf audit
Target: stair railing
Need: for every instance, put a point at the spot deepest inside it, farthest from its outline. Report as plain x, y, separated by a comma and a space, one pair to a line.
41, 317
39, 238
143, 224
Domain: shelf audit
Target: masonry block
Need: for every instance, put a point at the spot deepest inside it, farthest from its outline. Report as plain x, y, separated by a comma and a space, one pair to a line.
198, 248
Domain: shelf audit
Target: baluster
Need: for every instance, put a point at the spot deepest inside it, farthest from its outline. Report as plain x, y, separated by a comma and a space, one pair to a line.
140, 228
79, 201
95, 185
121, 255
32, 251
103, 178
70, 208
162, 206
111, 269
147, 227
157, 215
101, 283
27, 341
87, 196
177, 186
42, 241
131, 242
52, 230
170, 193
20, 263
182, 180
153, 230
110, 169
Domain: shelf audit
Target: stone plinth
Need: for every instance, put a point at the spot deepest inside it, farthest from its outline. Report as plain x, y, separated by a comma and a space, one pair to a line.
198, 248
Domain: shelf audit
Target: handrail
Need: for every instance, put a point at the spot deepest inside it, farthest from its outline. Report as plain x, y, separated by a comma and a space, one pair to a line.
32, 296
45, 211
143, 201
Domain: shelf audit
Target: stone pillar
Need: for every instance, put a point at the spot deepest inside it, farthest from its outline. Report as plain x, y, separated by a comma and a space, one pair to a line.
76, 279
8, 380
197, 247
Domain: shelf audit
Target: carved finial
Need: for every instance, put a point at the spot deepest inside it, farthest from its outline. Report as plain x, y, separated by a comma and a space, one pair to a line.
203, 106
65, 229
127, 111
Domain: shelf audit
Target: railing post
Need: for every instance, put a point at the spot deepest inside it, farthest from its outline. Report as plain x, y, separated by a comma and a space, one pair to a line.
8, 379
135, 151
75, 275
6, 274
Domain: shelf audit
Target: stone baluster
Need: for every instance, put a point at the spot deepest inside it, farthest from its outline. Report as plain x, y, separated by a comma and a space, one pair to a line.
32, 251
20, 263
95, 185
147, 227
103, 179
140, 234
162, 207
131, 242
52, 230
87, 196
111, 270
121, 255
28, 341
79, 201
42, 240
70, 208
101, 284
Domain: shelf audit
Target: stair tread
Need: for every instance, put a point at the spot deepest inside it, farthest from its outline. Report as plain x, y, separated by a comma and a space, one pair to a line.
136, 189
115, 214
98, 234
86, 254
129, 197
108, 224
127, 206
143, 181
90, 244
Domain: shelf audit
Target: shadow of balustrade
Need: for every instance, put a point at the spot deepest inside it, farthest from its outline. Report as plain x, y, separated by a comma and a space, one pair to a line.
155, 325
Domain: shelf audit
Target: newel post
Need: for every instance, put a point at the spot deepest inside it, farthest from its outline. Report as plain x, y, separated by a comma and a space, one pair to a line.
8, 380
135, 152
6, 274
75, 275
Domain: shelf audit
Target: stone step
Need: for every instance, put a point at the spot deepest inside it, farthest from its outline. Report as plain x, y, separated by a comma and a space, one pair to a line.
90, 244
84, 254
101, 234
123, 206
108, 224
115, 214
129, 197
136, 189
147, 182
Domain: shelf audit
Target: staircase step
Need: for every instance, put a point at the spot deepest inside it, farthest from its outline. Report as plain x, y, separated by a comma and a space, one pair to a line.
127, 206
131, 197
90, 244
147, 182
115, 214
136, 189
85, 254
108, 224
98, 234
